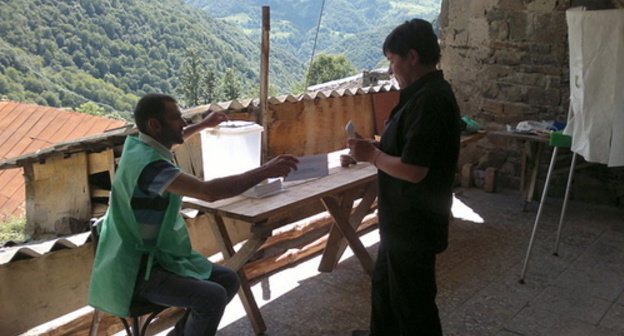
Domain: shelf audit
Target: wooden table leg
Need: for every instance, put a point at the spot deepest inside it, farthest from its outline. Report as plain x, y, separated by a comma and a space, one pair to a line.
532, 160
336, 244
227, 248
344, 225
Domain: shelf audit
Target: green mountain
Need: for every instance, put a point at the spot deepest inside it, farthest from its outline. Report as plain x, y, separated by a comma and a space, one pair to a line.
355, 28
64, 53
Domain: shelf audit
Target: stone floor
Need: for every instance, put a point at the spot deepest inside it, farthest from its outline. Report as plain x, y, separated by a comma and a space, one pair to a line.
578, 293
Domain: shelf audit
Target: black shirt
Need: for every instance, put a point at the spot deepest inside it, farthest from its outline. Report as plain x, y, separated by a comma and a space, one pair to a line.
423, 130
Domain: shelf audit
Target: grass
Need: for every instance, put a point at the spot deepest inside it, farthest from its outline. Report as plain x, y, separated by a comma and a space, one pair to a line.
12, 228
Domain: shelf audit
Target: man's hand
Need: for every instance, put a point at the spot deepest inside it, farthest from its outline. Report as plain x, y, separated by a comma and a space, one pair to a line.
228, 186
280, 166
213, 119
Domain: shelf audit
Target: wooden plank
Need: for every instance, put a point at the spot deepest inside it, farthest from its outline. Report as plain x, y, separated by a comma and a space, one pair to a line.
296, 194
182, 157
100, 162
250, 247
79, 323
292, 256
336, 245
60, 198
342, 222
97, 192
245, 293
317, 126
203, 239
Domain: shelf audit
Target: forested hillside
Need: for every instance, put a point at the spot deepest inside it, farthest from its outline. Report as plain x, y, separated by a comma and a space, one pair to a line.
66, 52
355, 28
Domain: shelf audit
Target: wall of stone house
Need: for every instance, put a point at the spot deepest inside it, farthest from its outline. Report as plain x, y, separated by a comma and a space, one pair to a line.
508, 61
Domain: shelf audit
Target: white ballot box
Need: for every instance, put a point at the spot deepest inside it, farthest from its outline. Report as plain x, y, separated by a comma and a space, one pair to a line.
231, 148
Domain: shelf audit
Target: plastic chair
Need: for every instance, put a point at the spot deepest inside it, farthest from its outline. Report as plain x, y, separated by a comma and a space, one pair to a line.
138, 309
557, 140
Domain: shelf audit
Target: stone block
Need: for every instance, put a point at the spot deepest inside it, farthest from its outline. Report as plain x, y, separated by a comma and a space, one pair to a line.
490, 179
511, 5
507, 57
542, 69
518, 26
542, 5
512, 93
478, 177
496, 71
492, 158
512, 113
544, 97
492, 107
466, 175
549, 27
499, 30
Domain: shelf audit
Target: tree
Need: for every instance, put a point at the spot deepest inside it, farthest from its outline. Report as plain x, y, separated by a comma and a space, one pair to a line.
190, 81
91, 108
254, 91
326, 68
208, 90
230, 85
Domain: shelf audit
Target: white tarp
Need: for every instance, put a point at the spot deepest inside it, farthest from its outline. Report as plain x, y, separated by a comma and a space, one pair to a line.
596, 118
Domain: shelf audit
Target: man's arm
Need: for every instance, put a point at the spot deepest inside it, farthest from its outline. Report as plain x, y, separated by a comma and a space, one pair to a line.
213, 119
229, 186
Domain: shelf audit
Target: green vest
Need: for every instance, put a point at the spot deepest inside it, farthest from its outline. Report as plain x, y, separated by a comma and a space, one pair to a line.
120, 248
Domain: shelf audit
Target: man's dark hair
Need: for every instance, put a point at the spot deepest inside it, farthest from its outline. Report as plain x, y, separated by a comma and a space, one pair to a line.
150, 106
415, 34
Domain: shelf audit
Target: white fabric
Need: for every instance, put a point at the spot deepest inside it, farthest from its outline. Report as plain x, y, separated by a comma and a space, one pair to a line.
596, 118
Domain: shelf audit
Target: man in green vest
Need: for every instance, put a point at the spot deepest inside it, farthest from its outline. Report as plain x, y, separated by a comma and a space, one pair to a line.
144, 252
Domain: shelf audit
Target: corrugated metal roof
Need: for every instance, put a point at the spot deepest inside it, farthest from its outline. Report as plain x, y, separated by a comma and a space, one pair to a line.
321, 94
115, 137
34, 250
26, 128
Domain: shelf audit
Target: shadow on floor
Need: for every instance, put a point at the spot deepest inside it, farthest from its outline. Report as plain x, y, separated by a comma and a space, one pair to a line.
578, 293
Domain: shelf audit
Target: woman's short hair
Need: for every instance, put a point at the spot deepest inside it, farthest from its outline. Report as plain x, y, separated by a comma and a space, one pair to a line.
415, 34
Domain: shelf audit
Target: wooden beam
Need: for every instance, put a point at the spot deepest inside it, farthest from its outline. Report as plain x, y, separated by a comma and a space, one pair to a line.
259, 268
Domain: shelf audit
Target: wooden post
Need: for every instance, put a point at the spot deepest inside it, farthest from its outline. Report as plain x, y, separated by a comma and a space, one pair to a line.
264, 79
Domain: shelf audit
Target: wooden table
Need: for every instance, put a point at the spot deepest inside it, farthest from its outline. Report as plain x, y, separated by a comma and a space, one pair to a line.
531, 158
336, 192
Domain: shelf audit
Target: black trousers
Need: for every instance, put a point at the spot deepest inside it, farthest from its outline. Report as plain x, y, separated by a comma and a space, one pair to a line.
204, 300
403, 293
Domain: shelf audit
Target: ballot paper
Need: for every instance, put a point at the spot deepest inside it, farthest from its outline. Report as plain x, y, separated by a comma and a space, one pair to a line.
310, 166
265, 188
350, 129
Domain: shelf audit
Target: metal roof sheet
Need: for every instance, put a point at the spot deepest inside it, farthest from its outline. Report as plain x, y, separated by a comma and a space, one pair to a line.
116, 137
38, 249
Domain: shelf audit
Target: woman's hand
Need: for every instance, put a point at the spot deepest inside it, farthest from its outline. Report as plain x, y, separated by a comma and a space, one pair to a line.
362, 149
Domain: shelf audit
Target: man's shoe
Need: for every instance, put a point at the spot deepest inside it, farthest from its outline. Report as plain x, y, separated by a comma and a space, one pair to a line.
361, 333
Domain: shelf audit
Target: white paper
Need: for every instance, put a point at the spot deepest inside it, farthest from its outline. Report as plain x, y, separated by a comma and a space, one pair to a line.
350, 129
264, 189
310, 166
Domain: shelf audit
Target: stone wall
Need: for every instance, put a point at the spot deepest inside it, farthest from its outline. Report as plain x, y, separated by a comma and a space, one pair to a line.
508, 61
